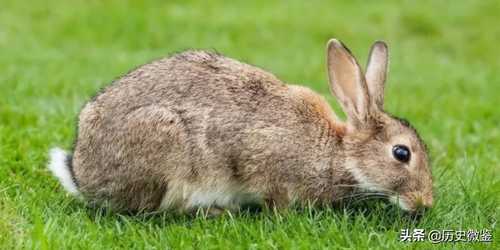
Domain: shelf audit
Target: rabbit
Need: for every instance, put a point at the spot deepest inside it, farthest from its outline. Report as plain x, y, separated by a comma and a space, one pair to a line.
198, 130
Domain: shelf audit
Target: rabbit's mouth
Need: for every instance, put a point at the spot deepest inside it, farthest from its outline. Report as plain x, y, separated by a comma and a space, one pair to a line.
412, 202
401, 202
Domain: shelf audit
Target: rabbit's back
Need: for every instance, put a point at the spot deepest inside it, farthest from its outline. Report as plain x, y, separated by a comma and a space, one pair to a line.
197, 118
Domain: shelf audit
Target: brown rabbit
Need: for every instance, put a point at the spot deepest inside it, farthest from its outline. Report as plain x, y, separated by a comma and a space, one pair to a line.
199, 130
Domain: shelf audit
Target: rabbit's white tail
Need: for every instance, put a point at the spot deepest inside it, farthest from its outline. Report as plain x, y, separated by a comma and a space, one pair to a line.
59, 165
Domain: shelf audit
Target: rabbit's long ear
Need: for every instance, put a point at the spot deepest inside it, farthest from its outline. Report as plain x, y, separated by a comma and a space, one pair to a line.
347, 83
376, 73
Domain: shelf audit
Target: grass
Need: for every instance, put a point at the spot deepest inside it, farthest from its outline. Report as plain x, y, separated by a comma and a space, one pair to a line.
54, 55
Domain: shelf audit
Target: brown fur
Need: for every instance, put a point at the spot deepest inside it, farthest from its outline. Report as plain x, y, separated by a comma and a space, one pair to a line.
201, 120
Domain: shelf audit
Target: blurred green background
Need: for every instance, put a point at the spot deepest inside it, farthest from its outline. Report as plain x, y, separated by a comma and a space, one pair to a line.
54, 55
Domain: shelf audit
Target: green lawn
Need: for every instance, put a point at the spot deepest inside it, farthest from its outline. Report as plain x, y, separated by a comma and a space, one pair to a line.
444, 77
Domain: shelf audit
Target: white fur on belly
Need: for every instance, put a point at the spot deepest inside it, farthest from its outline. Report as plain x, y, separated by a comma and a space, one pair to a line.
191, 196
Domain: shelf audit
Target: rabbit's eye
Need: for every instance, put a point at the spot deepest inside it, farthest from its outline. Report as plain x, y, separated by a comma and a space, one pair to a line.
401, 153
